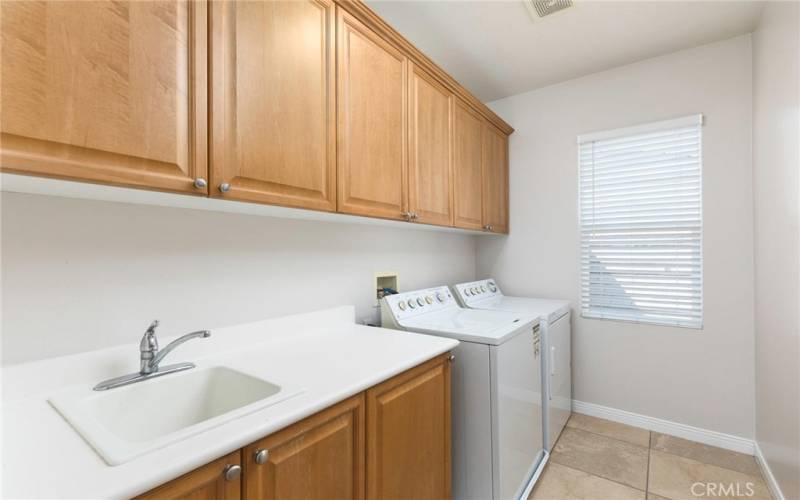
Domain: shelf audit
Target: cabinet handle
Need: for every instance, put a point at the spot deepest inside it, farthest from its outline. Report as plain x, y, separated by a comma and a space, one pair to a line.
200, 183
261, 456
224, 187
232, 472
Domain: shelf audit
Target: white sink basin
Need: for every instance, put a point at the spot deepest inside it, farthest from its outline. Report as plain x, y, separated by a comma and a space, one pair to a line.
129, 421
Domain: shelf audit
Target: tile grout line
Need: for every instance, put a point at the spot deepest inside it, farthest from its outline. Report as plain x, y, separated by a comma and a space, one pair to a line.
610, 437
649, 452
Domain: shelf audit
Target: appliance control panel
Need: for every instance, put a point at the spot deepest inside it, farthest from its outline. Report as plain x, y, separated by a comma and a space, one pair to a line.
477, 290
410, 304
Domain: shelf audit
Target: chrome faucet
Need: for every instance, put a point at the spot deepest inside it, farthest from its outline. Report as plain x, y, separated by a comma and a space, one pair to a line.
150, 359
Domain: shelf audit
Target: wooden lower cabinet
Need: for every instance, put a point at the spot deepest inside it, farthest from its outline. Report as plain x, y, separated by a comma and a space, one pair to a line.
206, 483
408, 434
321, 458
390, 442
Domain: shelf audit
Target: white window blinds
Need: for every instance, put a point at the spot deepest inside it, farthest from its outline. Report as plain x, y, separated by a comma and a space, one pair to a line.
641, 223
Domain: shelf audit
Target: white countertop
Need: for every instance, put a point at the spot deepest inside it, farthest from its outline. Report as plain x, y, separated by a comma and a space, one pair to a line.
325, 352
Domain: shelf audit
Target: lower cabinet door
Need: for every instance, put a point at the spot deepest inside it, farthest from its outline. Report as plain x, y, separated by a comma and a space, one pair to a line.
219, 480
408, 434
320, 457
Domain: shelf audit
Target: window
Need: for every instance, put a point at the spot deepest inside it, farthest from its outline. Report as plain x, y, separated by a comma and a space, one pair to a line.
641, 224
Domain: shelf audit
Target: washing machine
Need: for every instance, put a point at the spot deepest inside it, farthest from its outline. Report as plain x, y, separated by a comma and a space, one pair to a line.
498, 452
554, 317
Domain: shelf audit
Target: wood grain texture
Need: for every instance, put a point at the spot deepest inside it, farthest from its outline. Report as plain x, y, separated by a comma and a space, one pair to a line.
206, 483
363, 13
102, 91
319, 458
467, 160
430, 193
372, 122
495, 179
408, 434
273, 102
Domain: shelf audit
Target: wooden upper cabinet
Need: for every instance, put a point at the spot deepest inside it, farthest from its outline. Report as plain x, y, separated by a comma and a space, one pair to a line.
430, 193
110, 92
319, 458
408, 434
273, 108
467, 161
372, 122
206, 483
495, 179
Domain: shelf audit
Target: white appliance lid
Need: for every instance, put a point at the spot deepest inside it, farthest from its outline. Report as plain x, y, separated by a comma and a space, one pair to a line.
472, 325
550, 309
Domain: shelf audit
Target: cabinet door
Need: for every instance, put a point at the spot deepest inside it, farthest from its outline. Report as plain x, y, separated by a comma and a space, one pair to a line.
272, 102
408, 434
467, 159
206, 483
372, 118
321, 457
495, 180
430, 194
110, 92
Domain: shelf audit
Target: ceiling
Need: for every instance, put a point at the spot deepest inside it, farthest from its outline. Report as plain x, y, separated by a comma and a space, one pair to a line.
495, 49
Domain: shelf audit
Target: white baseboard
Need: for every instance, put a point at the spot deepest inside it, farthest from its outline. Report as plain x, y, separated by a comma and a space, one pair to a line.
769, 478
705, 436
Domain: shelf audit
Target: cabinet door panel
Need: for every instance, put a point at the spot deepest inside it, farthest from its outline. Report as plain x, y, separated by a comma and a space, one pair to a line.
273, 108
467, 159
495, 179
206, 483
321, 457
102, 91
372, 117
408, 434
430, 144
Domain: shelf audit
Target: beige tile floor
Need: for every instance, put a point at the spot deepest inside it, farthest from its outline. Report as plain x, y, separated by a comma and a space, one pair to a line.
596, 459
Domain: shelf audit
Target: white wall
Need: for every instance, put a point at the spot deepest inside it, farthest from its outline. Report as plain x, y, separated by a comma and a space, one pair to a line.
79, 275
702, 378
776, 181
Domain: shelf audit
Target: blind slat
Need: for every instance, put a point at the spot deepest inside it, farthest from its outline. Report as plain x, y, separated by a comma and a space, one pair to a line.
641, 225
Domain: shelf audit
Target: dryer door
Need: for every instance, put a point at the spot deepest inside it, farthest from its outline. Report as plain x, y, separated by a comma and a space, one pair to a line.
516, 412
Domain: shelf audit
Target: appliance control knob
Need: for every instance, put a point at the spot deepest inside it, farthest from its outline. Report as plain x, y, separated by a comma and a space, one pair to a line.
483, 289
401, 305
420, 301
473, 290
492, 287
411, 303
439, 297
429, 299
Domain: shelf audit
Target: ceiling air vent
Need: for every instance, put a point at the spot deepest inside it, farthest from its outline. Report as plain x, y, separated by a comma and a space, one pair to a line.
541, 8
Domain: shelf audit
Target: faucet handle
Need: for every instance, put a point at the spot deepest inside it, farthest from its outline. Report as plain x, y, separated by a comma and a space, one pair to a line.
149, 341
152, 328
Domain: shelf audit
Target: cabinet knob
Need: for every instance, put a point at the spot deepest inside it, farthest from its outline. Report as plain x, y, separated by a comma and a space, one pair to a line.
200, 183
407, 215
452, 358
232, 472
414, 215
224, 187
486, 227
261, 456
